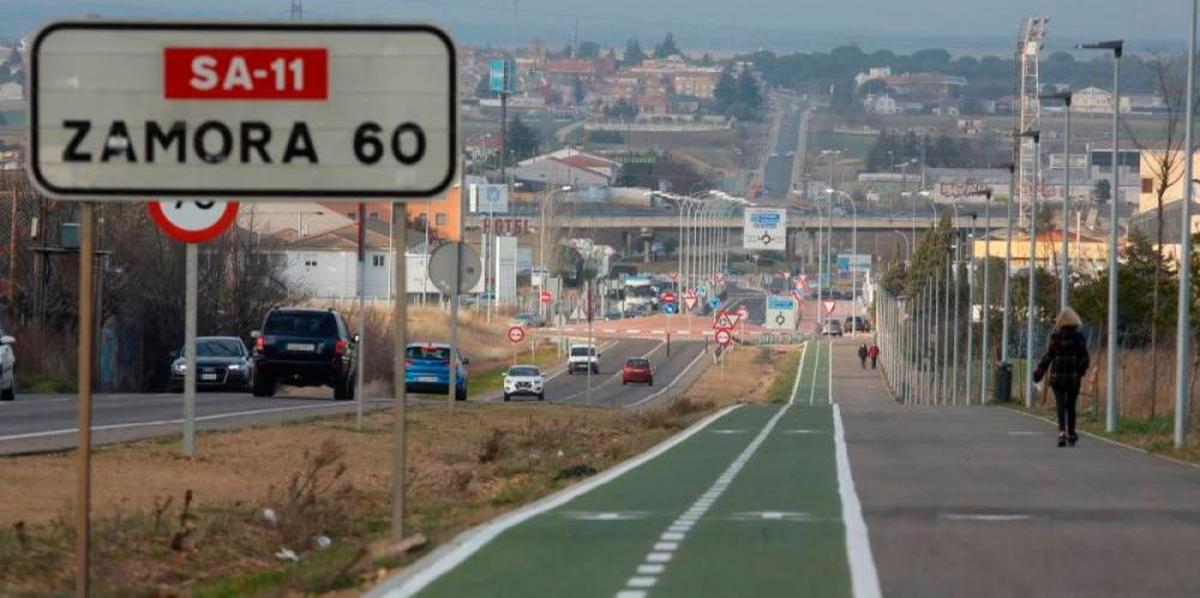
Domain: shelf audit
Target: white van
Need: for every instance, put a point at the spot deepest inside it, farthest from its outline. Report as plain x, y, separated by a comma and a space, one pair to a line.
582, 357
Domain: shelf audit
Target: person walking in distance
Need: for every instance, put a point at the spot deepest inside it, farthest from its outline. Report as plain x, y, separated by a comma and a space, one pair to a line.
1066, 360
873, 353
862, 356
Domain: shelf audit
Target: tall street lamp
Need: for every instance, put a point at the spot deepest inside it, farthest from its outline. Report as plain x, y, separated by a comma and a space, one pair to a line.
1033, 266
547, 201
1116, 47
1008, 225
1064, 284
1183, 324
853, 260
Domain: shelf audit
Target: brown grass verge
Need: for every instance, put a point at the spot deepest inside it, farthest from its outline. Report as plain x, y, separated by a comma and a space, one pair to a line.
164, 525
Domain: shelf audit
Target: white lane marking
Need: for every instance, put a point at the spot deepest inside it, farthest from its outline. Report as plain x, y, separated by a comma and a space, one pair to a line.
650, 569
804, 431
788, 516
663, 551
604, 515
864, 579
985, 517
453, 553
672, 536
641, 582
169, 422
812, 390
728, 431
829, 362
632, 594
799, 373
1024, 433
670, 385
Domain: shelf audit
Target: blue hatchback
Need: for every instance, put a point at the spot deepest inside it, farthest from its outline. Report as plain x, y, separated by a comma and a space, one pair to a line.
427, 370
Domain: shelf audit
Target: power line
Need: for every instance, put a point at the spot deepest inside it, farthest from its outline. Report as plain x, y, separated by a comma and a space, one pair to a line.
297, 13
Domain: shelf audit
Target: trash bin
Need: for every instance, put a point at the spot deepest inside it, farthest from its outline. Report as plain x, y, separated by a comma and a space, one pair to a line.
1002, 388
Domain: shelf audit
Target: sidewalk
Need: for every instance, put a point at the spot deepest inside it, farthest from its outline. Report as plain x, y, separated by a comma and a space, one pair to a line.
978, 501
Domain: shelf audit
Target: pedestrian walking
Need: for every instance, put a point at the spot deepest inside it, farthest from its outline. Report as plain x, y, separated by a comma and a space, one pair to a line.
1066, 360
862, 356
873, 353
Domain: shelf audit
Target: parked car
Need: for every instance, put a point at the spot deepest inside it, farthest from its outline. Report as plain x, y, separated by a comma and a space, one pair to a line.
427, 370
831, 328
612, 315
528, 320
8, 364
860, 324
582, 358
221, 362
638, 370
524, 380
304, 347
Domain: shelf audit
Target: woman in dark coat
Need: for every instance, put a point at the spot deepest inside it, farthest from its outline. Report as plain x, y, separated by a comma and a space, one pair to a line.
1067, 361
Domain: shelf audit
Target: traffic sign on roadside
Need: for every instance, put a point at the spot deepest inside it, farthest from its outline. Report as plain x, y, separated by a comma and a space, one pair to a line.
690, 299
829, 306
723, 336
674, 276
449, 257
516, 334
714, 302
702, 292
247, 110
670, 309
735, 318
722, 321
669, 297
545, 297
193, 221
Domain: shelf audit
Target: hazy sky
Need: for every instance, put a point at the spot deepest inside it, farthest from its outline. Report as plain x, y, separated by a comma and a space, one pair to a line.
964, 25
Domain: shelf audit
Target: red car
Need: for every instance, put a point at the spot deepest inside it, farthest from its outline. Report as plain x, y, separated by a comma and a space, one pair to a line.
637, 370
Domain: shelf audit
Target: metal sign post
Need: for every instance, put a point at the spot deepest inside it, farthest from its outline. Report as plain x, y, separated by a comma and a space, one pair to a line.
454, 268
83, 494
399, 343
189, 352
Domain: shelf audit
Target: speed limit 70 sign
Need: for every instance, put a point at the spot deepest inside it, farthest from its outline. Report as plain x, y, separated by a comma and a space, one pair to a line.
131, 111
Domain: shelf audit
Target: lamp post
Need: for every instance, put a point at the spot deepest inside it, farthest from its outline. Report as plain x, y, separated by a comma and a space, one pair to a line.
1183, 323
907, 245
987, 299
970, 306
853, 260
1116, 47
1008, 226
547, 201
1064, 284
1033, 266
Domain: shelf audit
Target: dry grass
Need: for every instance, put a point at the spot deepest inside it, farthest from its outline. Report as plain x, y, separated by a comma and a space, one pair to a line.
166, 525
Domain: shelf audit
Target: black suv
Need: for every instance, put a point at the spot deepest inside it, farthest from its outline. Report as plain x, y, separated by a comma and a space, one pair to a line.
304, 347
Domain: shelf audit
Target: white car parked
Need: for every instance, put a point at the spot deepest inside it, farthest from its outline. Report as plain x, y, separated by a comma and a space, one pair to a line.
8, 382
524, 380
582, 358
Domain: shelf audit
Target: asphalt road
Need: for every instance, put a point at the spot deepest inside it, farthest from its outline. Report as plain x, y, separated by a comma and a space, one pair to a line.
37, 423
778, 172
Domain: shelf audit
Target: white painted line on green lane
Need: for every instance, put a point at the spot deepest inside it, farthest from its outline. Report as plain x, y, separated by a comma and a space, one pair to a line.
799, 372
663, 551
453, 553
864, 579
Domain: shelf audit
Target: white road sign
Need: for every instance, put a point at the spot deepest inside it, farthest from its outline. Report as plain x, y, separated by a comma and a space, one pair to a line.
129, 110
489, 199
193, 221
765, 228
781, 312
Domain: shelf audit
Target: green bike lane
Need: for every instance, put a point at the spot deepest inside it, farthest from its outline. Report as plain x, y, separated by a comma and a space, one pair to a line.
745, 503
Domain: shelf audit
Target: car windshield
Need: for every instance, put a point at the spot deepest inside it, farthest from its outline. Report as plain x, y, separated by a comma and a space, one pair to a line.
638, 363
296, 323
428, 353
582, 351
524, 371
217, 347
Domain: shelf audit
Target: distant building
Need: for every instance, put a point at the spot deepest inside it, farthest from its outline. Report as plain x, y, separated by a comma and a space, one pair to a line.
1091, 100
880, 104
1150, 175
567, 166
879, 72
926, 85
11, 92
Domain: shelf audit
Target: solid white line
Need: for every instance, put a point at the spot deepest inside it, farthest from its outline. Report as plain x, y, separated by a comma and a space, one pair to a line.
442, 560
799, 373
864, 580
168, 422
829, 361
812, 390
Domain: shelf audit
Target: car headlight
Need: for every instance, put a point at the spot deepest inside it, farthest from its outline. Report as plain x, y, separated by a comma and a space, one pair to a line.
235, 367
180, 367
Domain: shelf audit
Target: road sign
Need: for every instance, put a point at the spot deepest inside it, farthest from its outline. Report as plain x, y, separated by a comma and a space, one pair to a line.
714, 302
674, 276
193, 221
743, 313
490, 199
442, 264
516, 334
719, 277
723, 336
497, 78
829, 307
336, 111
702, 292
722, 321
781, 312
670, 309
735, 318
669, 297
546, 297
765, 228
690, 299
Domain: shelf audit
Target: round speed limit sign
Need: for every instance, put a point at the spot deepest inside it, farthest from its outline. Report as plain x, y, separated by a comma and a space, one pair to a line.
193, 221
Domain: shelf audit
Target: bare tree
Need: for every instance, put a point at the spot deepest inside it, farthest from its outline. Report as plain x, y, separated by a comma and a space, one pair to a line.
1164, 155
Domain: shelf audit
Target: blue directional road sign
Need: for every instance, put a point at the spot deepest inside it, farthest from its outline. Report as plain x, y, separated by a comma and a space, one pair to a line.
702, 292
496, 75
715, 302
669, 308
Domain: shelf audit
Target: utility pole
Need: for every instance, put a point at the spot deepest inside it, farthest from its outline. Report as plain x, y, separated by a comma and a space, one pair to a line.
297, 10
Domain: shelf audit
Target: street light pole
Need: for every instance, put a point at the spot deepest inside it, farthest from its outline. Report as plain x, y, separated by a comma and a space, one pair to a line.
1065, 268
1033, 266
1007, 315
1110, 378
1183, 337
987, 300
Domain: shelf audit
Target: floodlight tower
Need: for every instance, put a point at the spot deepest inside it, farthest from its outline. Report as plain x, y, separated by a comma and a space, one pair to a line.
1029, 108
